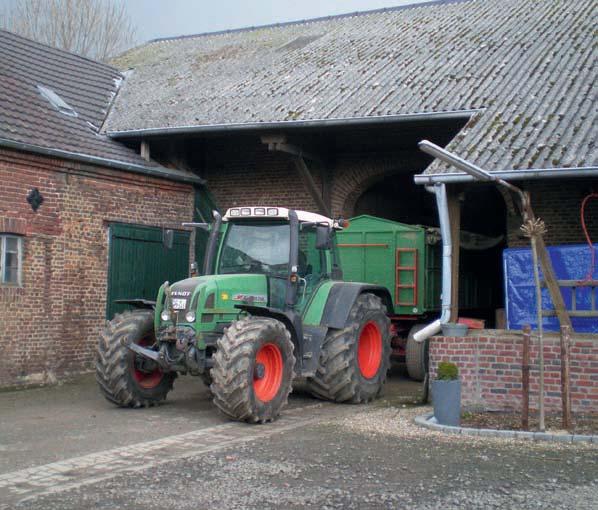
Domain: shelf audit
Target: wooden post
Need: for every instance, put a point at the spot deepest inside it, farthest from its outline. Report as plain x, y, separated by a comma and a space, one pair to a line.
310, 184
536, 230
541, 425
552, 283
145, 150
527, 331
454, 210
565, 388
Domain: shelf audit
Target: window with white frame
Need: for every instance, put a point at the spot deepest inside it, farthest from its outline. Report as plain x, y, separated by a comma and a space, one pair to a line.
11, 256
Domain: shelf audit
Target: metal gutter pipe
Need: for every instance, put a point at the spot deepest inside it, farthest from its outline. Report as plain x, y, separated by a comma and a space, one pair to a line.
511, 175
162, 172
464, 115
447, 253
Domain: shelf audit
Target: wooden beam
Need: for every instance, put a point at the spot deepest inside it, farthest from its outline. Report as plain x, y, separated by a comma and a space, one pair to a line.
145, 150
454, 210
327, 176
310, 184
552, 284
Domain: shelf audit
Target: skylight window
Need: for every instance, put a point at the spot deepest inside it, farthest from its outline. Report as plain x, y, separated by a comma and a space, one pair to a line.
56, 101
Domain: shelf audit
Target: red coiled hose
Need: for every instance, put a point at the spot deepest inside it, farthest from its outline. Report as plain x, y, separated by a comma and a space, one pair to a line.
587, 234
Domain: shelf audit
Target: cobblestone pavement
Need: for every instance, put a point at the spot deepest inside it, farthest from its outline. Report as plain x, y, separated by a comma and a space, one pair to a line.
318, 455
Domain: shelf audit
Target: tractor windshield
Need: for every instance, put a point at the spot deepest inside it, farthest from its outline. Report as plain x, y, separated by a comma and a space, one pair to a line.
260, 247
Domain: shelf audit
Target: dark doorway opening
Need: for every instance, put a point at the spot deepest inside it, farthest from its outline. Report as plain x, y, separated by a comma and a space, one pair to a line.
484, 227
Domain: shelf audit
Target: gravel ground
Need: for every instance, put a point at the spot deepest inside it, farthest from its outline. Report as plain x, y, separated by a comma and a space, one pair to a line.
582, 424
361, 458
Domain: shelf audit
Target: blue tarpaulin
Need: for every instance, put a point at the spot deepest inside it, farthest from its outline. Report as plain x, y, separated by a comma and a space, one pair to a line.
570, 262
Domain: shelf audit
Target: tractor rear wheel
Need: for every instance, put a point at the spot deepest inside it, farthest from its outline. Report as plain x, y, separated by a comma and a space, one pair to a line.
253, 370
125, 378
416, 355
354, 360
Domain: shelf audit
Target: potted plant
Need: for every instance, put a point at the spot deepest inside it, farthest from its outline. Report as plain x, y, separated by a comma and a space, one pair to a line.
446, 394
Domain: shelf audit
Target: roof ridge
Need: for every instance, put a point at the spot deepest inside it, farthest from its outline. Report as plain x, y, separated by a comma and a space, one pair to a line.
429, 3
66, 53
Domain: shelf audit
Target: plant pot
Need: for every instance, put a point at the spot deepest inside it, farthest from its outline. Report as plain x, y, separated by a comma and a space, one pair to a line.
446, 397
454, 329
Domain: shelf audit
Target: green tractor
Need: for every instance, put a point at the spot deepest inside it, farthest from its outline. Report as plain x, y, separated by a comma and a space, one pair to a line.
271, 306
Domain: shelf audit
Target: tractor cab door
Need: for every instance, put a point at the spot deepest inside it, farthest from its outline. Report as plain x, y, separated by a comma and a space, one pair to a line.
313, 266
258, 247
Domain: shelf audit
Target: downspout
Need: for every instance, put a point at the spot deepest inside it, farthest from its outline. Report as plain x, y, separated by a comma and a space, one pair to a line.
447, 254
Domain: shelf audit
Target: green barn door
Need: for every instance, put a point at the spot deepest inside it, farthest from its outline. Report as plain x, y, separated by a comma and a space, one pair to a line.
139, 263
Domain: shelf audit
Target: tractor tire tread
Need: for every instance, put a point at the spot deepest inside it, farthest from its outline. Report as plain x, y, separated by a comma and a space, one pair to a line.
231, 377
337, 377
112, 364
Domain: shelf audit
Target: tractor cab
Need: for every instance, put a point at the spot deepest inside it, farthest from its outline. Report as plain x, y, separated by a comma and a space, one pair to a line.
294, 250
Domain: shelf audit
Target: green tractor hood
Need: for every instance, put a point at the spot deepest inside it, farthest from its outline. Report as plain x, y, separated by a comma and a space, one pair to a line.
212, 298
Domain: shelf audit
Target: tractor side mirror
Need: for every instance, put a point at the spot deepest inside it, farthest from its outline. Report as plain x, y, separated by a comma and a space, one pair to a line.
323, 240
168, 238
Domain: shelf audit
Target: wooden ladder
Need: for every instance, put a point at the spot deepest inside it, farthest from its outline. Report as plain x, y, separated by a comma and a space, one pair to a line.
400, 270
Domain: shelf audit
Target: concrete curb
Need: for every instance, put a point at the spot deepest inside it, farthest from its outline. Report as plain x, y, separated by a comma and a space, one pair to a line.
427, 421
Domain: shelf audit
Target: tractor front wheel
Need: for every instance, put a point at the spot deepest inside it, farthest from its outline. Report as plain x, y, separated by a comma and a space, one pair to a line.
125, 378
354, 360
253, 370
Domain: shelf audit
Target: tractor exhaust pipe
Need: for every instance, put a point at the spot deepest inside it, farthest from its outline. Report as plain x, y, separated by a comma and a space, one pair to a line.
447, 250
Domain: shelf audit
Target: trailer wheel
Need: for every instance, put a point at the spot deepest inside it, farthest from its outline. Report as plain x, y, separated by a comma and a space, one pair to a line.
416, 355
354, 360
125, 378
253, 370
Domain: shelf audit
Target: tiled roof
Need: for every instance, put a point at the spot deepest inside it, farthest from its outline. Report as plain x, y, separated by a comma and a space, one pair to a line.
528, 65
27, 118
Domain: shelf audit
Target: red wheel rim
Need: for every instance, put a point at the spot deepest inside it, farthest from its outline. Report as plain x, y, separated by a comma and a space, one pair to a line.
146, 380
266, 387
369, 350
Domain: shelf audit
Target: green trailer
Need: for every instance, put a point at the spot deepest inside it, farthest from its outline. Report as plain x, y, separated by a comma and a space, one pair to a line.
406, 259
403, 258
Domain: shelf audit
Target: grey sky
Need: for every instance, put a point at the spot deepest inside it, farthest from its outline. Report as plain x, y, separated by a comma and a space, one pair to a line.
164, 18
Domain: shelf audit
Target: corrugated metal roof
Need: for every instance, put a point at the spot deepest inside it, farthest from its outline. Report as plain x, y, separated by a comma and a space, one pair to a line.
35, 80
528, 64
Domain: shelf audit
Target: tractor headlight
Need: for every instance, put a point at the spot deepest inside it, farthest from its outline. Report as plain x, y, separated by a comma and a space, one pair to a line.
165, 315
190, 316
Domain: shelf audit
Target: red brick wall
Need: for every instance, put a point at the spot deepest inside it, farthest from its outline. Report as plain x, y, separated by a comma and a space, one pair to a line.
558, 203
490, 368
49, 326
245, 173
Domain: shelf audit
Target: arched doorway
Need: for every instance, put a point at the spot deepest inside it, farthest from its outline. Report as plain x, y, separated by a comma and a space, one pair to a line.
396, 197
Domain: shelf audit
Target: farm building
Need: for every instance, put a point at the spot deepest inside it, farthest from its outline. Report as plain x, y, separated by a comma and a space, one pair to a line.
326, 115
78, 212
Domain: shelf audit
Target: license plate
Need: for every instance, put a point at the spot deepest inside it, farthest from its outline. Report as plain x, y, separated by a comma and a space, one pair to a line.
179, 304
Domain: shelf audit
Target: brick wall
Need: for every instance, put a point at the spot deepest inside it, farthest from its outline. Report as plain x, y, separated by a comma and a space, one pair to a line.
558, 203
245, 173
49, 326
490, 368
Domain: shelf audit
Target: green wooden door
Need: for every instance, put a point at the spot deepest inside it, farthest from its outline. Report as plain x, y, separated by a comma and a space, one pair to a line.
139, 263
